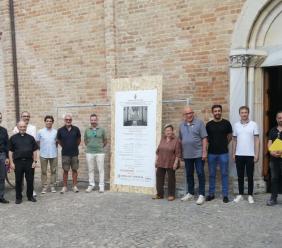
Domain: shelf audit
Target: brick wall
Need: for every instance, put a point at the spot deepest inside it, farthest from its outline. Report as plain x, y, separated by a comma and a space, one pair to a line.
68, 51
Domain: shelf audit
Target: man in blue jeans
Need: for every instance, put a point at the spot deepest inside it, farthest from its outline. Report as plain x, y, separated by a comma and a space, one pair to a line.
219, 135
193, 136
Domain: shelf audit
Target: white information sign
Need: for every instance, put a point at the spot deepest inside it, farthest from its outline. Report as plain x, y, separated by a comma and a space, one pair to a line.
135, 137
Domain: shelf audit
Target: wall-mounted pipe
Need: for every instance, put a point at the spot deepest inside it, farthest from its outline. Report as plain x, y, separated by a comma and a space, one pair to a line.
14, 57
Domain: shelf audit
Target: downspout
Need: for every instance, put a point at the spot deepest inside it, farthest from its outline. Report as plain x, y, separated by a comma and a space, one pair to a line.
14, 55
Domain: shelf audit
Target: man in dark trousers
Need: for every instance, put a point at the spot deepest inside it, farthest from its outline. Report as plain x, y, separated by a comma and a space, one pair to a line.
275, 160
22, 155
3, 160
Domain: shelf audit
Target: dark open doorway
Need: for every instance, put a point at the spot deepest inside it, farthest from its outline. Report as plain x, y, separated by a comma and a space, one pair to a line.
272, 104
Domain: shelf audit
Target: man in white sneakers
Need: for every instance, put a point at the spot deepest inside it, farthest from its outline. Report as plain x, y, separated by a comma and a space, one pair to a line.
245, 151
193, 136
46, 138
95, 140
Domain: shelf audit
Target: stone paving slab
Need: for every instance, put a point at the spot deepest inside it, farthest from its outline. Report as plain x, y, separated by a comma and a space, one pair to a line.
135, 220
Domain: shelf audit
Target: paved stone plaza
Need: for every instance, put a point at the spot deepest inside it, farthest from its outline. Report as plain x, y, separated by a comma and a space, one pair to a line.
134, 220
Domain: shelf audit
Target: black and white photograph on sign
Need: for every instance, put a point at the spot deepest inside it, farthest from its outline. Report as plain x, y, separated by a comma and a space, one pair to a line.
135, 116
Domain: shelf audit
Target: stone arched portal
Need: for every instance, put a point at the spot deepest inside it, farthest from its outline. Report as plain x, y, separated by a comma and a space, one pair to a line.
256, 44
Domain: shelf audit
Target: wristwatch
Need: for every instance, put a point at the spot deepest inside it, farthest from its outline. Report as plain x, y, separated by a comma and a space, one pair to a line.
35, 161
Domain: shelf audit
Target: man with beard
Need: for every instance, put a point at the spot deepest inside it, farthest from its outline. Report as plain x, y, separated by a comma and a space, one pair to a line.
219, 135
275, 159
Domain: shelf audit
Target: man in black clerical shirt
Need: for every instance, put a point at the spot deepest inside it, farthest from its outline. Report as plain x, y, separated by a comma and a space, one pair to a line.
3, 160
22, 155
219, 135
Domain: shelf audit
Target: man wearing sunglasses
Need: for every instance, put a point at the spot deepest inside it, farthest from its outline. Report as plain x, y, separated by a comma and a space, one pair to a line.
95, 141
69, 137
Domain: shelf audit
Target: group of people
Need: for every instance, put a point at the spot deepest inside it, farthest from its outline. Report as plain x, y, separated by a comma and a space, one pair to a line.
198, 142
20, 152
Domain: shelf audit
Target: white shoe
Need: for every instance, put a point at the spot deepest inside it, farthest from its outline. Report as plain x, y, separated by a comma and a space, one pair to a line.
44, 190
101, 189
75, 189
53, 190
187, 197
34, 194
200, 200
251, 199
238, 198
89, 189
64, 190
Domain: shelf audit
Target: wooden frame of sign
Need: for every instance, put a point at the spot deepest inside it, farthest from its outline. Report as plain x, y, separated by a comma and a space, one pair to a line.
128, 175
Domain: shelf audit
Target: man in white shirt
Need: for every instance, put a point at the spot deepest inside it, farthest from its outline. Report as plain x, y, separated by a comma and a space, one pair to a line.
245, 151
46, 138
31, 130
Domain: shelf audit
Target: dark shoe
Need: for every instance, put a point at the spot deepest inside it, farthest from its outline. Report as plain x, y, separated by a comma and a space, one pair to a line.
3, 200
18, 201
157, 197
32, 199
271, 202
171, 198
209, 197
225, 199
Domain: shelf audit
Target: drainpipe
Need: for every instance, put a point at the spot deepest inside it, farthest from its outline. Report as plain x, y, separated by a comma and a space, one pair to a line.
14, 55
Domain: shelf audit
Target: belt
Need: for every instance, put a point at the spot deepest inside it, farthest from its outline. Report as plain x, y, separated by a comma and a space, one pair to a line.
23, 159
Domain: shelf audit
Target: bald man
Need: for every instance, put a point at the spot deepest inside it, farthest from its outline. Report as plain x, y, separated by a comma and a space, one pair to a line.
193, 136
22, 155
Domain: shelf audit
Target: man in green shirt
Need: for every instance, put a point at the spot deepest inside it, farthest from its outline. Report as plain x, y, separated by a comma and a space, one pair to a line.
95, 140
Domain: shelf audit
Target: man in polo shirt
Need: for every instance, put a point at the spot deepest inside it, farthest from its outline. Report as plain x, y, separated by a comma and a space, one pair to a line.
69, 138
275, 160
219, 135
95, 141
245, 151
193, 136
22, 155
46, 138
4, 160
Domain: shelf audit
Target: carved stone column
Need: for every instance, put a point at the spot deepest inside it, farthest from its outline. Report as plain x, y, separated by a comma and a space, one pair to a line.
243, 66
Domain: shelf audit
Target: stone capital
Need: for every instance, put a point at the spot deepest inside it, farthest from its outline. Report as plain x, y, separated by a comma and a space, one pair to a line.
246, 58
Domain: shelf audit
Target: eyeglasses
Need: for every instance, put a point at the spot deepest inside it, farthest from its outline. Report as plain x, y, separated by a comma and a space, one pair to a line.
68, 119
189, 113
26, 116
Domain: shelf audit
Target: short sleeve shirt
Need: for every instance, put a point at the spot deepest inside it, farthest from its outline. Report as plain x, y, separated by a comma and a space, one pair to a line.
69, 140
217, 136
47, 138
273, 135
245, 138
191, 136
94, 140
22, 146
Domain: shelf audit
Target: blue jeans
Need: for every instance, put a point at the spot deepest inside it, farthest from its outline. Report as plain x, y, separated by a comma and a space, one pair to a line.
199, 165
222, 160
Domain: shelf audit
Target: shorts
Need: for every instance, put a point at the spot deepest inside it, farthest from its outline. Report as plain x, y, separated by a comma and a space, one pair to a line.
70, 162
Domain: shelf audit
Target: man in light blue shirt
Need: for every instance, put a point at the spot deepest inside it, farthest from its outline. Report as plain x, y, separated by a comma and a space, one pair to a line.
46, 138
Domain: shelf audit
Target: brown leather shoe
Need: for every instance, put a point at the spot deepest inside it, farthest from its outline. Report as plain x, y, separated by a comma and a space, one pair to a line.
171, 198
157, 197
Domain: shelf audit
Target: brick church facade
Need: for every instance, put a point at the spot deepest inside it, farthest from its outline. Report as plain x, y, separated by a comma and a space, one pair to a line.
207, 51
